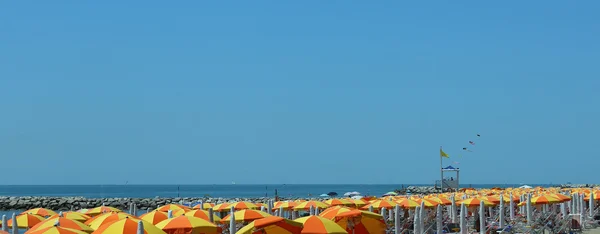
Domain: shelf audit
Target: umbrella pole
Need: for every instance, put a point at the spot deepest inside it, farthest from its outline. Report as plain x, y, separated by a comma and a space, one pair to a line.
441, 174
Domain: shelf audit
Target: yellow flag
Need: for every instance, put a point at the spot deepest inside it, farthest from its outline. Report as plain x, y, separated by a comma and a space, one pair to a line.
443, 154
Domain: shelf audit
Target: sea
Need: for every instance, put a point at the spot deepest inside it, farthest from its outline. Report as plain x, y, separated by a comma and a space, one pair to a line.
224, 191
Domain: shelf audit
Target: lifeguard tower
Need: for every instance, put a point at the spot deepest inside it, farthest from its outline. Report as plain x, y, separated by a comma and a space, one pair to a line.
449, 183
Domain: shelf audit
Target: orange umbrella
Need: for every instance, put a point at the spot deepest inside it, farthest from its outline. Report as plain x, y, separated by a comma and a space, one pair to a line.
188, 225
100, 210
154, 217
545, 199
271, 224
62, 222
332, 212
473, 202
408, 203
128, 226
172, 207
205, 206
202, 214
246, 216
72, 215
39, 211
378, 204
365, 223
440, 200
307, 204
286, 205
319, 225
221, 207
426, 202
26, 220
339, 202
100, 220
243, 205
56, 230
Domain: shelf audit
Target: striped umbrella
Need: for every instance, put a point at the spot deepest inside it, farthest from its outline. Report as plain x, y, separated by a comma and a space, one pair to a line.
406, 204
332, 212
319, 225
221, 207
246, 216
307, 204
426, 202
378, 204
286, 205
72, 215
128, 226
40, 211
259, 204
100, 220
202, 214
365, 223
545, 199
56, 230
62, 222
493, 199
26, 220
205, 206
272, 225
173, 207
243, 205
188, 224
101, 209
357, 202
440, 200
474, 202
154, 217
339, 202
563, 197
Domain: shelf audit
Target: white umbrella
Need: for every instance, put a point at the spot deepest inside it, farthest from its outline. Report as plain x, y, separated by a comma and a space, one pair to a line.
397, 223
15, 225
438, 219
357, 197
501, 211
4, 223
232, 228
528, 208
417, 221
140, 229
453, 210
511, 209
463, 222
481, 218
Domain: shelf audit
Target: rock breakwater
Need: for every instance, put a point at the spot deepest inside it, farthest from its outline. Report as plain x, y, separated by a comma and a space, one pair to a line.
75, 203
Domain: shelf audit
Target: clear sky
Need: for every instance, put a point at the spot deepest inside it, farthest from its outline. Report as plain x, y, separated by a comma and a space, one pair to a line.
209, 92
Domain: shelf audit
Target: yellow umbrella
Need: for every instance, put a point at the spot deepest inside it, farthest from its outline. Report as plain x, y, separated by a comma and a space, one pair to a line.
100, 220
365, 223
154, 217
319, 225
339, 202
271, 225
472, 202
26, 220
172, 207
72, 215
56, 230
62, 222
286, 205
100, 210
243, 205
40, 211
189, 225
202, 214
307, 204
221, 207
128, 226
246, 216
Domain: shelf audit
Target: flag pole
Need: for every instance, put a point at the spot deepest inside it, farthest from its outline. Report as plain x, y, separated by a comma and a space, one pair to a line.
441, 173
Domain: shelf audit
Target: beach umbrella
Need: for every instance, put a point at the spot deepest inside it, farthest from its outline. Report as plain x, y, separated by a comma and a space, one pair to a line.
408, 203
211, 215
26, 220
62, 222
154, 217
40, 211
232, 225
473, 202
481, 217
363, 223
204, 206
417, 220
307, 204
332, 212
511, 208
173, 207
356, 202
83, 211
440, 200
101, 209
246, 216
203, 215
4, 223
272, 225
243, 205
319, 225
72, 215
545, 199
438, 220
339, 202
390, 194
15, 226
378, 204
128, 226
56, 230
189, 225
462, 219
528, 209
286, 205
426, 202
100, 220
221, 207
324, 195
561, 197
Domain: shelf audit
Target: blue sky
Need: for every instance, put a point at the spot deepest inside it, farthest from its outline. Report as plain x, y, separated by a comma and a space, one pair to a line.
209, 92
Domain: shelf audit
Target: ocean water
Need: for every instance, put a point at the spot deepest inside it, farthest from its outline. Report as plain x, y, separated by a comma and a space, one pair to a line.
225, 191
